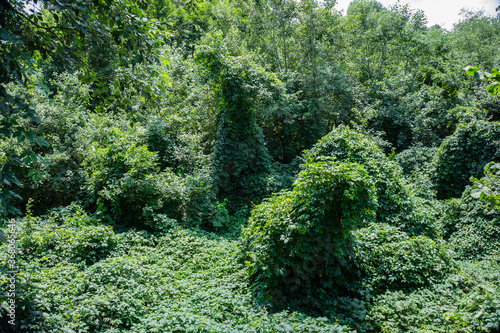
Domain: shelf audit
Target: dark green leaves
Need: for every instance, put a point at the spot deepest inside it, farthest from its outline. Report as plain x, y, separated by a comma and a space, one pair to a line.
297, 237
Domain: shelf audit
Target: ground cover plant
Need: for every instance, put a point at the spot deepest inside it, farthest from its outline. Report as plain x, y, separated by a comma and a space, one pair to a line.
225, 166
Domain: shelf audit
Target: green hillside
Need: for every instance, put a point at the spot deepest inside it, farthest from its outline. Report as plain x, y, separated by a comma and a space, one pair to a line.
247, 166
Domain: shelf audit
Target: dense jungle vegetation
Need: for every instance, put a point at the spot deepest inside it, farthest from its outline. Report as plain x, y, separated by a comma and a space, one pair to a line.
247, 166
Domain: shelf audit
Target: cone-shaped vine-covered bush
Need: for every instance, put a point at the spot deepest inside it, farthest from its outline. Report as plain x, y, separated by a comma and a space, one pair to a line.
240, 163
298, 243
348, 145
463, 155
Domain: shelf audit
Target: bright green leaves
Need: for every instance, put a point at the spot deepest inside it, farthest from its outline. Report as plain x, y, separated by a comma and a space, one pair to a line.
494, 88
494, 77
473, 71
487, 187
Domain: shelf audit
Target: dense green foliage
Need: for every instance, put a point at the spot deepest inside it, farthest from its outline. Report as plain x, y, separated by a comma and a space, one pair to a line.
247, 166
240, 162
463, 154
349, 145
299, 242
91, 279
397, 261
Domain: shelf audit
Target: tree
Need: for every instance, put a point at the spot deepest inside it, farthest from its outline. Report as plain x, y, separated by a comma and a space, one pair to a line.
240, 162
383, 40
70, 31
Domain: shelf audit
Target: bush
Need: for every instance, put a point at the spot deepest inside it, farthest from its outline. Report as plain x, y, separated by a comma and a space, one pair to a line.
66, 235
476, 230
298, 243
176, 148
56, 177
123, 177
463, 155
397, 261
463, 115
348, 145
416, 158
124, 181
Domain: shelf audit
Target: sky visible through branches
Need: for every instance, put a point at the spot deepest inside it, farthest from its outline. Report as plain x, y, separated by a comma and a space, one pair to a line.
442, 12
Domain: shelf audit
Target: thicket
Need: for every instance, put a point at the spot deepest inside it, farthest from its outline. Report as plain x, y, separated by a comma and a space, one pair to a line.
248, 166
298, 244
464, 154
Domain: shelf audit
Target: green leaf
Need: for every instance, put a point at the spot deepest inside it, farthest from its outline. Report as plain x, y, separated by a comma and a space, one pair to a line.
476, 192
45, 88
77, 41
471, 70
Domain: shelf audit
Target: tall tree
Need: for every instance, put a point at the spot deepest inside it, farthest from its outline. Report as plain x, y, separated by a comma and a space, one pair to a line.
71, 30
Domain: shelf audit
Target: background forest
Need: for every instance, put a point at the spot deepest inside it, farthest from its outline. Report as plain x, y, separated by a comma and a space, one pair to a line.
248, 166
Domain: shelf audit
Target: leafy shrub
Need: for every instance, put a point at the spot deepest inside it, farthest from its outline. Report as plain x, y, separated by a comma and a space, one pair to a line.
476, 230
202, 209
447, 221
124, 177
298, 243
124, 181
463, 115
416, 158
54, 180
397, 261
176, 148
55, 177
484, 100
463, 155
465, 301
348, 145
67, 235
